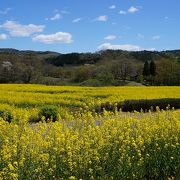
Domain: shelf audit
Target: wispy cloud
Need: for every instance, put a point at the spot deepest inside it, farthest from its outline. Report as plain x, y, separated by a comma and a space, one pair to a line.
19, 30
140, 36
77, 20
5, 11
59, 37
133, 9
125, 27
110, 37
156, 37
61, 11
56, 11
122, 12
112, 7
3, 37
102, 18
65, 12
167, 18
57, 16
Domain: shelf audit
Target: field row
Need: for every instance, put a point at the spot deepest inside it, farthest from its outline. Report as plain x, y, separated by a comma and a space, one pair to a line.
30, 96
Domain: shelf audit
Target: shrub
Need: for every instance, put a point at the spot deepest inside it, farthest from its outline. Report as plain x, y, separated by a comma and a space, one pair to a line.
142, 104
110, 106
49, 112
147, 104
6, 115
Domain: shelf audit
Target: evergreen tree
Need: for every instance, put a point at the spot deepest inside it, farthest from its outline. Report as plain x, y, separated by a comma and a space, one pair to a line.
146, 70
152, 68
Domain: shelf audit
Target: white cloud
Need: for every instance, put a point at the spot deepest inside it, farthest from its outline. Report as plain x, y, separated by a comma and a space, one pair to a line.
151, 49
57, 16
3, 37
110, 37
156, 37
19, 30
112, 7
126, 47
59, 37
76, 20
102, 18
5, 11
122, 12
133, 9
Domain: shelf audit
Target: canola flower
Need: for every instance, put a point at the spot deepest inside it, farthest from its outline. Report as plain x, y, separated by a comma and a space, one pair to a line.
121, 147
32, 96
84, 144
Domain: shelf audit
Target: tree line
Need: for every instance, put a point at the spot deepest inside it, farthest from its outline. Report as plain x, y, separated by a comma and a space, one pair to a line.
92, 69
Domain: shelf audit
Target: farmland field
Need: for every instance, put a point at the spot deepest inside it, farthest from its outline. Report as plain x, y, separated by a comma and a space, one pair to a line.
83, 144
29, 96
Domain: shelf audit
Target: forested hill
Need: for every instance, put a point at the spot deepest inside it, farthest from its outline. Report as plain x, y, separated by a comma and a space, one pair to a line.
109, 67
91, 58
15, 51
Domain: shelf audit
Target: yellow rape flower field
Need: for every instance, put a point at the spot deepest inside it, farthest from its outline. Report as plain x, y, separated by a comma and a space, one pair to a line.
84, 144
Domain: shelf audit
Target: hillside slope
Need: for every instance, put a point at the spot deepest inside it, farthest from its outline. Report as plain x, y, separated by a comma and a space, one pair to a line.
110, 67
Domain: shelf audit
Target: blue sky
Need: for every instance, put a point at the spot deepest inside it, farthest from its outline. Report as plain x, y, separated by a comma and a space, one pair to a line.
88, 26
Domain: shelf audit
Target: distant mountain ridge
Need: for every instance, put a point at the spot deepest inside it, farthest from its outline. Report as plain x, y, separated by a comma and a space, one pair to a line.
13, 51
60, 59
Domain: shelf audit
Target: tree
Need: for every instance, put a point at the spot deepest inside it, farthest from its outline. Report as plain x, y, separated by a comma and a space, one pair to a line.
152, 68
6, 72
168, 72
146, 70
81, 74
106, 78
27, 74
122, 70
